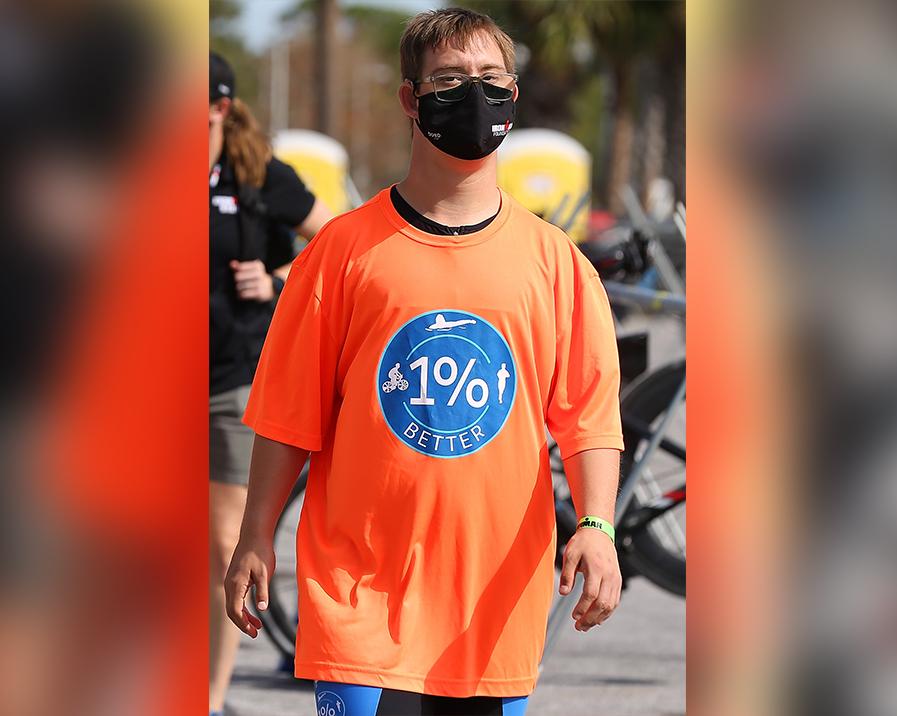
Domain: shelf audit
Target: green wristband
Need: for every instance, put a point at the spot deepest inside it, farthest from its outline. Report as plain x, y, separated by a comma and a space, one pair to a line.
598, 524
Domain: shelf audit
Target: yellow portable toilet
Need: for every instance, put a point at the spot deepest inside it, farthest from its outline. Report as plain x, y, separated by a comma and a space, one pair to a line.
550, 174
322, 163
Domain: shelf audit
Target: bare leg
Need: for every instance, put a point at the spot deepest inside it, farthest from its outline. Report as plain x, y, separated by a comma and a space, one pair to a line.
226, 504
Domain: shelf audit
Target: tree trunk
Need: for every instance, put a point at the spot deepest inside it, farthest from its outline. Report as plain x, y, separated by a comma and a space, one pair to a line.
621, 151
654, 144
674, 126
326, 15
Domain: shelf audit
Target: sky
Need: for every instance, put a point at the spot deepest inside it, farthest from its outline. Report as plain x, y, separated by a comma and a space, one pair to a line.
260, 17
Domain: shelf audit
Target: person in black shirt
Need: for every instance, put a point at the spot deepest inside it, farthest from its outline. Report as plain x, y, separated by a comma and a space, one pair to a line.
256, 202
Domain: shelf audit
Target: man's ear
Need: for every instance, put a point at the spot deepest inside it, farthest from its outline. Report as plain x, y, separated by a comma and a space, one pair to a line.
407, 99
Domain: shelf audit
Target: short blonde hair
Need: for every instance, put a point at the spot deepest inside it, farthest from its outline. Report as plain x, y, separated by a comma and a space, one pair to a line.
454, 26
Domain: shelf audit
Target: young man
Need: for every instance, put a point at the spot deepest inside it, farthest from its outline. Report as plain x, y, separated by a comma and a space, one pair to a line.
419, 347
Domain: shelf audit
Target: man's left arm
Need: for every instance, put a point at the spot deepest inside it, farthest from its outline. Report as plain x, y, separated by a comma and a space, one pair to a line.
593, 476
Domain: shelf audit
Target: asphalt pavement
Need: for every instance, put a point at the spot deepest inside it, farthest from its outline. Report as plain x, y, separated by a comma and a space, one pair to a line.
632, 664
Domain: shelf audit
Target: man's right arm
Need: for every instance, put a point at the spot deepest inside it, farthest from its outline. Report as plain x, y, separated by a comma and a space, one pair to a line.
272, 474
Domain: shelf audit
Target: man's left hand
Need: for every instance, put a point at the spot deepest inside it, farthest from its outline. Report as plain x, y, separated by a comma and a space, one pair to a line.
591, 552
253, 281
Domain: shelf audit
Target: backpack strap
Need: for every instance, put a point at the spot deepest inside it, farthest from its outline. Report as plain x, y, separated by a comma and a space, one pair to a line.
253, 213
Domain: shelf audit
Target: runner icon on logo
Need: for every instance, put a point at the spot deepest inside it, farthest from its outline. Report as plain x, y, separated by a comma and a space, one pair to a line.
502, 376
446, 383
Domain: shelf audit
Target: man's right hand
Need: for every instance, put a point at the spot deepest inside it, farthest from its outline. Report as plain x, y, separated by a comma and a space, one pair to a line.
252, 563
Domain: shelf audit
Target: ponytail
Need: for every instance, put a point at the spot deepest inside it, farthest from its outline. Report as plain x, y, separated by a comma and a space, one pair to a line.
247, 147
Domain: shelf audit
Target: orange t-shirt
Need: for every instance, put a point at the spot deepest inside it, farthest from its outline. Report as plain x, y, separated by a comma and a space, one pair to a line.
422, 371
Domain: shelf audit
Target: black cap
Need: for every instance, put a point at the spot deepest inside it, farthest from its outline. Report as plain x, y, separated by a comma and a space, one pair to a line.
221, 78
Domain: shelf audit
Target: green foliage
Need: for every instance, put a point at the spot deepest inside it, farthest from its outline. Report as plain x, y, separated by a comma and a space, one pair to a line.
617, 30
226, 41
298, 9
583, 55
587, 111
222, 14
382, 28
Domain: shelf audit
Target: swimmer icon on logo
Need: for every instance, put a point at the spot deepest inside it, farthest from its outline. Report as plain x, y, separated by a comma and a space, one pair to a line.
446, 383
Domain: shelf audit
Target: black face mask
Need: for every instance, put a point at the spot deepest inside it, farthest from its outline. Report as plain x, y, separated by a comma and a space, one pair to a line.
470, 129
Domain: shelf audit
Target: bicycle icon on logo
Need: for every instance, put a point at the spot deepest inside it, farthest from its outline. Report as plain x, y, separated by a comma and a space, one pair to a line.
395, 380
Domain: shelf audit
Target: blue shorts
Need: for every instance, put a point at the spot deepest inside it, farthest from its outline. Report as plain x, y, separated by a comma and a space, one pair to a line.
335, 699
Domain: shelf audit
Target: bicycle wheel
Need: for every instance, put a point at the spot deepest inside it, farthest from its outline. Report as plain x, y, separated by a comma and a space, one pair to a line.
656, 548
633, 349
280, 618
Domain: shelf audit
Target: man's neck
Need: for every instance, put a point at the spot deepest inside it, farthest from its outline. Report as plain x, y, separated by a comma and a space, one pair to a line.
446, 190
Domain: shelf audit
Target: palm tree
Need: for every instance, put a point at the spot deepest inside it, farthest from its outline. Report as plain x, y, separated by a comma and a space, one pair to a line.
574, 43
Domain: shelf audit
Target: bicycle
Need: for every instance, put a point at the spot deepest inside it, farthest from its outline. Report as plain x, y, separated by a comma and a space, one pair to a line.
650, 540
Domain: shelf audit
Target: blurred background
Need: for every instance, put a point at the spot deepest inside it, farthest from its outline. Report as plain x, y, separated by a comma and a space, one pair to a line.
610, 75
791, 122
597, 148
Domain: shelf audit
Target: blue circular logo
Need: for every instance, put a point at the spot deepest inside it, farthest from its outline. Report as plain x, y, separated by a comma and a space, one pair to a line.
446, 383
330, 704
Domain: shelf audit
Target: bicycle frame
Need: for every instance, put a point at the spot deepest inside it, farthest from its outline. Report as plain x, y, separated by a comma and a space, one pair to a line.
665, 267
640, 519
646, 298
652, 510
624, 497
